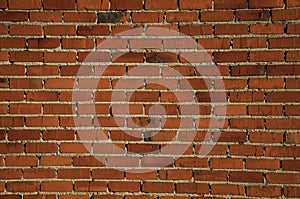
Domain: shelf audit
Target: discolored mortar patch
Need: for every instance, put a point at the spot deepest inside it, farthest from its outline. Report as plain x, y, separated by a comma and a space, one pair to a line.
110, 17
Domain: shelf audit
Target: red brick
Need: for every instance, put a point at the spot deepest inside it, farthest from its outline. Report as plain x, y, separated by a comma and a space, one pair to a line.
3, 107
41, 96
87, 161
145, 43
12, 69
12, 43
127, 4
182, 16
259, 83
291, 165
93, 4
282, 178
248, 123
24, 5
79, 17
124, 186
57, 57
45, 121
252, 177
230, 137
46, 16
93, 30
60, 30
73, 173
119, 29
57, 186
41, 148
214, 43
39, 196
20, 161
282, 151
230, 56
293, 28
266, 137
29, 186
23, 135
74, 148
158, 187
275, 70
25, 108
283, 124
59, 4
264, 191
210, 175
96, 57
230, 84
193, 30
14, 16
221, 163
10, 121
293, 56
284, 15
195, 188
3, 29
292, 83
230, 4
267, 28
252, 15
25, 30
26, 83
246, 150
292, 138
11, 148
265, 4
33, 173
265, 110
73, 196
227, 189
58, 135
283, 97
231, 29
3, 3
292, 110
43, 43
87, 186
146, 17
26, 56
161, 4
292, 3
3, 56
254, 42
291, 191
175, 174
107, 174
55, 161
60, 83
266, 56
210, 16
262, 164
195, 4
109, 196
287, 42
10, 174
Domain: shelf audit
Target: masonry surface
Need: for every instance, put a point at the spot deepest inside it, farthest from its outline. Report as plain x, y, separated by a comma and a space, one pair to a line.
51, 72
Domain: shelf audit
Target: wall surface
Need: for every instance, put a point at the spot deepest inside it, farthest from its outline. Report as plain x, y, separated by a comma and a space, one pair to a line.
149, 99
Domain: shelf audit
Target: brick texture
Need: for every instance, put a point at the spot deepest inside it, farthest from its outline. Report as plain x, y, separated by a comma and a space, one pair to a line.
249, 63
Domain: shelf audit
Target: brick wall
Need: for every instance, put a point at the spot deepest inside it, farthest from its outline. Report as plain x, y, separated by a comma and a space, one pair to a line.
149, 99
